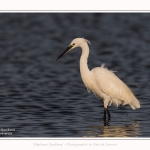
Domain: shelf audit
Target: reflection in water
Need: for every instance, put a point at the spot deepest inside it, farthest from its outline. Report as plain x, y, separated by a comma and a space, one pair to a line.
132, 130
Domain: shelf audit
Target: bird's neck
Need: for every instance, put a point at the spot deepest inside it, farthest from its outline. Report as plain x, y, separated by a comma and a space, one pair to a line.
84, 60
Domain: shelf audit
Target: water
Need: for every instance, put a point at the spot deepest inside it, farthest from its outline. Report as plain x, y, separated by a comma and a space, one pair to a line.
41, 97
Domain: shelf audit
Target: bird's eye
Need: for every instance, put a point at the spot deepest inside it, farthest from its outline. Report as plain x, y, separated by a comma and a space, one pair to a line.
73, 44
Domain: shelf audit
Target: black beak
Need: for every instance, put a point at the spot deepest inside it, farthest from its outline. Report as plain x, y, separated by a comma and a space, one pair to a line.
65, 51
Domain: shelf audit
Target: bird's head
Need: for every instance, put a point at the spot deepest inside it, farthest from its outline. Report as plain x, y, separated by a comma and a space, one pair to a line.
77, 42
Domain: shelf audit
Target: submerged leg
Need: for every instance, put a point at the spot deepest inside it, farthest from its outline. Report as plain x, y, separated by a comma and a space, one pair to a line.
106, 111
109, 116
106, 121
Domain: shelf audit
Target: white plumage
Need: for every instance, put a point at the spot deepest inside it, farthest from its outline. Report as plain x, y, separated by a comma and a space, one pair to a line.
103, 82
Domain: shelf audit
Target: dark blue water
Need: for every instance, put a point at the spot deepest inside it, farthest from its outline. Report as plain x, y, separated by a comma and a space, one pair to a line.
42, 97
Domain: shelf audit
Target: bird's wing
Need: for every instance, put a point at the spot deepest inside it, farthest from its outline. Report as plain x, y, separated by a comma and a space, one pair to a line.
111, 85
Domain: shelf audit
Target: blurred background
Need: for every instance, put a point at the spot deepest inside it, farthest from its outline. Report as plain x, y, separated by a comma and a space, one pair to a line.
42, 97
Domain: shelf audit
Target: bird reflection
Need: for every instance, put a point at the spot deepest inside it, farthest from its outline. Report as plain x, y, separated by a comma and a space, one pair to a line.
130, 130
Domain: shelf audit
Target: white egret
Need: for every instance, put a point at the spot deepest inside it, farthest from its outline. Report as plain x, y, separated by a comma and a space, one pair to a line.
102, 82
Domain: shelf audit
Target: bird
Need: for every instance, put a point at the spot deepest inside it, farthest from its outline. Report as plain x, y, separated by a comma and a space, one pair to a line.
102, 81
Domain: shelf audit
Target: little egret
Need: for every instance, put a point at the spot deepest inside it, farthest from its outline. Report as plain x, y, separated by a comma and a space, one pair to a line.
102, 82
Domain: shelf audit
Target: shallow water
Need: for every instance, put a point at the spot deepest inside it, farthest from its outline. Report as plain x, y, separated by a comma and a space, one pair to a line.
41, 97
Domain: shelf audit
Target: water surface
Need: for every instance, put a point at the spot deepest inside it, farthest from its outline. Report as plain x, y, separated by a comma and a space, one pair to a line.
42, 97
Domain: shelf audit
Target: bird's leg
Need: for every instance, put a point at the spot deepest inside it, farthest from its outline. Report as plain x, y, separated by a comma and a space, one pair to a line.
105, 111
109, 116
106, 121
